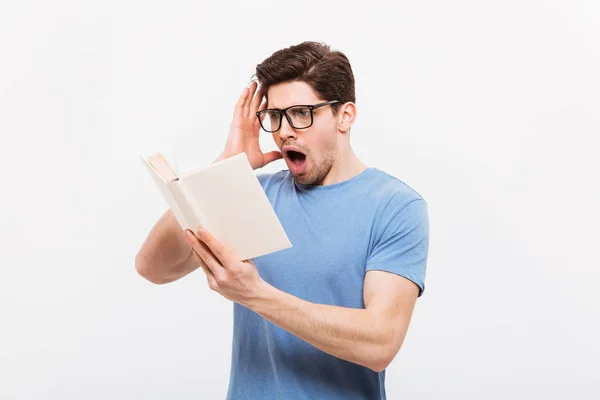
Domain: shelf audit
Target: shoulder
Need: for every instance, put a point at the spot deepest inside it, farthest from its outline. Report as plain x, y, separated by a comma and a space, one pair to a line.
393, 195
272, 179
399, 208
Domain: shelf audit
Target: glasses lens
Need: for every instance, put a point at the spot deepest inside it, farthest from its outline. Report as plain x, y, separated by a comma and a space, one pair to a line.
301, 116
270, 120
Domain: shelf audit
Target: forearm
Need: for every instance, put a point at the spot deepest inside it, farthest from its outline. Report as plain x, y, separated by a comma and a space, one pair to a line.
352, 334
163, 251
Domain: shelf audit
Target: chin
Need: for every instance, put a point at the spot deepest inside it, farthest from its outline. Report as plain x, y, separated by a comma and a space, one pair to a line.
308, 178
302, 179
312, 175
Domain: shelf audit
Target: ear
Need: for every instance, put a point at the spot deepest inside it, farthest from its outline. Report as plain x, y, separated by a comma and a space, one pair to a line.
346, 116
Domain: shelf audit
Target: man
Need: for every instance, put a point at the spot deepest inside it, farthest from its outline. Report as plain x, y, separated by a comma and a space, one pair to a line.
323, 319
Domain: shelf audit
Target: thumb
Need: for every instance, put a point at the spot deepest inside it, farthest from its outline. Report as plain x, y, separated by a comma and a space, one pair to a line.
272, 156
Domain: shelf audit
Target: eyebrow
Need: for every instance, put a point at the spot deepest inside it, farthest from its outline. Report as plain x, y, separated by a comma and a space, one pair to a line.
281, 108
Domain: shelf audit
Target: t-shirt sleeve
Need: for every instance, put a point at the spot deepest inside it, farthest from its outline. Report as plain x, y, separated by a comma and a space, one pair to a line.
403, 246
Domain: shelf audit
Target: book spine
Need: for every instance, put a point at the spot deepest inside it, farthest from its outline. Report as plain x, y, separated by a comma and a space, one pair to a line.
189, 217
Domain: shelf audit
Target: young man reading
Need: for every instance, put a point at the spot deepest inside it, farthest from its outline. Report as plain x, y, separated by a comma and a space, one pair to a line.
323, 319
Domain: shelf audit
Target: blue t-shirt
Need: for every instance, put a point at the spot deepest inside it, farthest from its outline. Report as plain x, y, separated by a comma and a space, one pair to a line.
372, 221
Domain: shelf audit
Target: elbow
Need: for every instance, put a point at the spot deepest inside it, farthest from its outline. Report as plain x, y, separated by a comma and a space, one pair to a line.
380, 363
383, 356
145, 269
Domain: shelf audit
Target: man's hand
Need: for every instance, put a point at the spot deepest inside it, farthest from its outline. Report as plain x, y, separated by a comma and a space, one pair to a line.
245, 128
234, 279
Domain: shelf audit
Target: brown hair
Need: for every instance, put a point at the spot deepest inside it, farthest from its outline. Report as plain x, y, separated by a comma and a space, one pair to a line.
327, 72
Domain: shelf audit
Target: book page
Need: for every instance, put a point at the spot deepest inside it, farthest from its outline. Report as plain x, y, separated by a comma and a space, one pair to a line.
234, 208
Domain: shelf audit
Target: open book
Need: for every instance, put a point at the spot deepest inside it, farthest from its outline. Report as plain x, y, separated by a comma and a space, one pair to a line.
227, 200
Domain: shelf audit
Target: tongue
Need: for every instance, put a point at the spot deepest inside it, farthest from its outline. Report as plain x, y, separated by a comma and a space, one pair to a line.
299, 160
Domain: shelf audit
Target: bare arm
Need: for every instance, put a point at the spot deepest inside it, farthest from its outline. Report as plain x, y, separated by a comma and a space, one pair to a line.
165, 255
370, 337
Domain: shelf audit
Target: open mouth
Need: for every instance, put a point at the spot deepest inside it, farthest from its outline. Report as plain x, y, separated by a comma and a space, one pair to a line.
296, 157
297, 161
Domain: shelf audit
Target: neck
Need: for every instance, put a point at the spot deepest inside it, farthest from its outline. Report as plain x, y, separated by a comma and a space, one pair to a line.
346, 166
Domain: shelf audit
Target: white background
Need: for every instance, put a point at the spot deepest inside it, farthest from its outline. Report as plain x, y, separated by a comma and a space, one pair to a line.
491, 110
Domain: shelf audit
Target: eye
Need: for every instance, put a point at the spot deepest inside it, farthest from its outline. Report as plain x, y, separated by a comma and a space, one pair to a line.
301, 112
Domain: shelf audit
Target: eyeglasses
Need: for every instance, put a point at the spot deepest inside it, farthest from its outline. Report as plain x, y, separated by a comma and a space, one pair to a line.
299, 116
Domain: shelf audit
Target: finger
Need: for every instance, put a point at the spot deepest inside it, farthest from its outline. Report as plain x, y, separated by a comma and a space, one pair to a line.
210, 278
205, 255
272, 156
242, 100
211, 262
261, 108
256, 102
207, 271
248, 100
223, 255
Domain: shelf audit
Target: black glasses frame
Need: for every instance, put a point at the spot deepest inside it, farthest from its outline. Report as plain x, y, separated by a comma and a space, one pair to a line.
283, 111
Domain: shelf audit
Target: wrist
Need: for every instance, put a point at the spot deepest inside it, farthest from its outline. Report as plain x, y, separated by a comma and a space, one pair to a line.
263, 294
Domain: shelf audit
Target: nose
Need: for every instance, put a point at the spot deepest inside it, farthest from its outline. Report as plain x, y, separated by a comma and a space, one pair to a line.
286, 131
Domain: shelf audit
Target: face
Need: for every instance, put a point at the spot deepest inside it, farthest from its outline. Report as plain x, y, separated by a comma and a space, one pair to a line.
310, 153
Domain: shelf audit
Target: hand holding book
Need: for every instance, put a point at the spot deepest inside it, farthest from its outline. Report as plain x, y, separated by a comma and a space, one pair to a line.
210, 198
